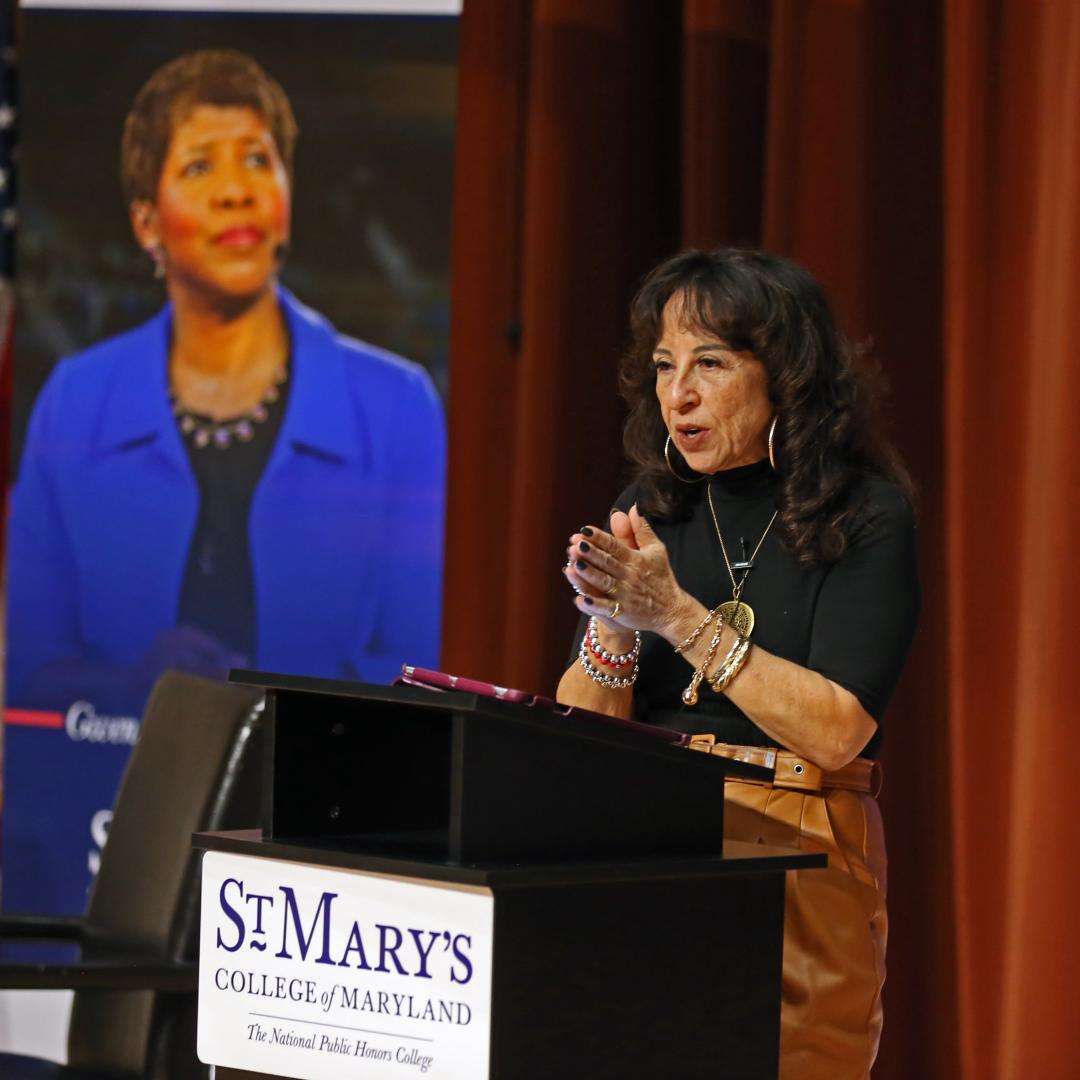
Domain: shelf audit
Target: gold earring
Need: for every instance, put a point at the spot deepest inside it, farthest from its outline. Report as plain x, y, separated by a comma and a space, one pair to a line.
772, 435
667, 461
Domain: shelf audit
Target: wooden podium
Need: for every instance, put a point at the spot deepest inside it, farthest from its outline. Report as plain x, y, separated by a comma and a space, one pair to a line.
620, 936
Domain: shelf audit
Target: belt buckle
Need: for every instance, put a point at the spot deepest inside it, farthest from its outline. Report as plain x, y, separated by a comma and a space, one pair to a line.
768, 757
763, 759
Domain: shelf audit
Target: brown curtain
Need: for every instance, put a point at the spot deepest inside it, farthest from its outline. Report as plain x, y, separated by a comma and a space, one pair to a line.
566, 190
924, 160
1012, 188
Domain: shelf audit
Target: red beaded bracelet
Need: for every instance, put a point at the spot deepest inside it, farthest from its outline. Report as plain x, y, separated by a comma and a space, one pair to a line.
615, 660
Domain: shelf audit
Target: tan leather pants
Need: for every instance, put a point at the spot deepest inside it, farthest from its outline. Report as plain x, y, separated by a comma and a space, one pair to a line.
835, 924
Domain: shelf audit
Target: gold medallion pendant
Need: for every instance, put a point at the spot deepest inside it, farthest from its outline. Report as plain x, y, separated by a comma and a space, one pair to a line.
739, 616
734, 612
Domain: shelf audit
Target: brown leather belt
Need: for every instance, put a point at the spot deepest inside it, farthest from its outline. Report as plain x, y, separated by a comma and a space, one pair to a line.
792, 771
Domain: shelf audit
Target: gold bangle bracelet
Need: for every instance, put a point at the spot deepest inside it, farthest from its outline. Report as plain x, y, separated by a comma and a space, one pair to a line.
727, 673
726, 662
731, 666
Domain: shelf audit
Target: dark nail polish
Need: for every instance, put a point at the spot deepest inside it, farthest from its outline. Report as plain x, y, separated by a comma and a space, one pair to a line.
584, 545
580, 564
587, 599
586, 530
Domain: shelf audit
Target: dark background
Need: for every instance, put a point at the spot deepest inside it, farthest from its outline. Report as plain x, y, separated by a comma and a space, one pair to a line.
375, 103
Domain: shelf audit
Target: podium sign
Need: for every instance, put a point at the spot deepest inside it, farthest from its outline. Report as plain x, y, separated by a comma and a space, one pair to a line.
323, 973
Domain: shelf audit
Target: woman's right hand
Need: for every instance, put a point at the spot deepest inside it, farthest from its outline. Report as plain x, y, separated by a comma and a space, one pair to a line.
629, 566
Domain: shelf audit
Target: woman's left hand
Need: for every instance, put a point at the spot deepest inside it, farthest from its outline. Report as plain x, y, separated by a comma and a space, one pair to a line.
629, 567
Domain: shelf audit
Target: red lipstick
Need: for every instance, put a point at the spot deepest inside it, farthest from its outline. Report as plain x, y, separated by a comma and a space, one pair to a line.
240, 236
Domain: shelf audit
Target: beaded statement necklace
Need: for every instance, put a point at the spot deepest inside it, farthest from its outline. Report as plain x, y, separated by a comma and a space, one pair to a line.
222, 434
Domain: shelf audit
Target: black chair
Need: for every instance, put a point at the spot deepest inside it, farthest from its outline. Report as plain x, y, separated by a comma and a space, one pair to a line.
196, 766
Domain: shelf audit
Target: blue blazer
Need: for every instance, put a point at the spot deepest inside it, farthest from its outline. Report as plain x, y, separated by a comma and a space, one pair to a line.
346, 523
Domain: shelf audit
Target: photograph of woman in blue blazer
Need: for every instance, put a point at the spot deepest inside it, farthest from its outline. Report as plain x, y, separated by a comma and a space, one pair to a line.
232, 483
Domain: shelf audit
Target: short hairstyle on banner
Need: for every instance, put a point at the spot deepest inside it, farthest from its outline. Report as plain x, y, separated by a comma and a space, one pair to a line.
224, 77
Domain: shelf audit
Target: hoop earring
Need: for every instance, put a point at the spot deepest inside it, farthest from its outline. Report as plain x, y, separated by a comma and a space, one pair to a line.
671, 469
772, 436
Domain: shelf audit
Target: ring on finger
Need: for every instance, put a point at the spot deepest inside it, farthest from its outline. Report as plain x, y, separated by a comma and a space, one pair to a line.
614, 613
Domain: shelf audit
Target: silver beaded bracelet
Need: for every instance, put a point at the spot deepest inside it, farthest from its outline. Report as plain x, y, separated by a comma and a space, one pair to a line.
610, 682
615, 659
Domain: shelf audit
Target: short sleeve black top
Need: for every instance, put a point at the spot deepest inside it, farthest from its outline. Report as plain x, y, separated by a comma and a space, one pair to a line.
852, 621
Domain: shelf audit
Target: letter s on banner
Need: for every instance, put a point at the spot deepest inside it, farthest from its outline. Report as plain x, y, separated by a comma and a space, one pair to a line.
99, 833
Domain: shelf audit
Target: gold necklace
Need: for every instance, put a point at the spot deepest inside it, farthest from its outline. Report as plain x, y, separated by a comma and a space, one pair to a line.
735, 612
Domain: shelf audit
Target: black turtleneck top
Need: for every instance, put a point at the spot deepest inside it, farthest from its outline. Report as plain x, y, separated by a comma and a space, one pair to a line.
852, 621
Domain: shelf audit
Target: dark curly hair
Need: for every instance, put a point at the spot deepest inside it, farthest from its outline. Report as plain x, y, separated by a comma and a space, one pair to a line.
223, 77
826, 399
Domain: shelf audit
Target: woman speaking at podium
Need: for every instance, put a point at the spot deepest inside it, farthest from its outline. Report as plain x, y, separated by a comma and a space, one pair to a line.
757, 586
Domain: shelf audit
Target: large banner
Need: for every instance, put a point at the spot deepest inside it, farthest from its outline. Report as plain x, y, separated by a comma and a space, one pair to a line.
231, 329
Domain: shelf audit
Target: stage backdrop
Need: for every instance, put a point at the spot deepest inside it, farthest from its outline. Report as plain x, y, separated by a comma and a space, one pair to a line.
133, 548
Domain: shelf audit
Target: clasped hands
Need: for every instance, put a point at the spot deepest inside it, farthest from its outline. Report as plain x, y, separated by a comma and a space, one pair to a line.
628, 566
